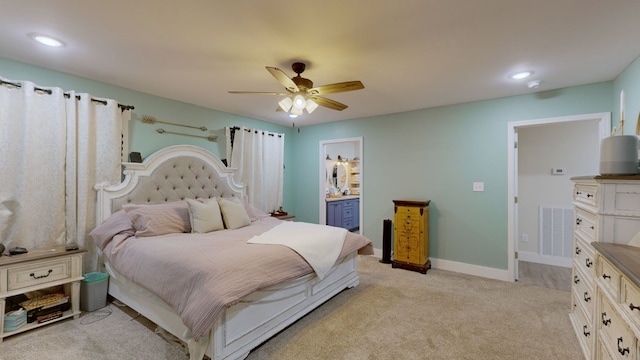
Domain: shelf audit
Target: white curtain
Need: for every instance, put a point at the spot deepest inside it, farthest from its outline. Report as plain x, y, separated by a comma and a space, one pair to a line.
258, 157
54, 149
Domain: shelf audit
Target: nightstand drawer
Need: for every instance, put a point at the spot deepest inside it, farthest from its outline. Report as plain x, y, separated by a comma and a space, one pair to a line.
42, 272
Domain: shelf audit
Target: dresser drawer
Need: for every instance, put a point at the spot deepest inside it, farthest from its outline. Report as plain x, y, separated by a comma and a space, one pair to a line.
582, 325
586, 194
585, 225
42, 272
615, 334
583, 291
609, 276
584, 257
630, 299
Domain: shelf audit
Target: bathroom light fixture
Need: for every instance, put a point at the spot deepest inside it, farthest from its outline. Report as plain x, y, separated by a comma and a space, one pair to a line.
46, 40
521, 75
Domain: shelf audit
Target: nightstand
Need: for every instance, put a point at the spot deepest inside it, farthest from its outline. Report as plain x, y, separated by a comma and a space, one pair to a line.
40, 269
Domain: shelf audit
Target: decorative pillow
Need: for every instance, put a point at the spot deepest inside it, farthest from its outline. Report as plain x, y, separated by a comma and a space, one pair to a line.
205, 216
115, 224
233, 213
253, 212
159, 219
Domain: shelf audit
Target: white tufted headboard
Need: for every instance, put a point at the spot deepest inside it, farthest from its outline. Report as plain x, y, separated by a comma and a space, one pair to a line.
170, 174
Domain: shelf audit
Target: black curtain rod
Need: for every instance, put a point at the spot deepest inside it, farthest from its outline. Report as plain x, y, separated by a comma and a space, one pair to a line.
48, 91
233, 129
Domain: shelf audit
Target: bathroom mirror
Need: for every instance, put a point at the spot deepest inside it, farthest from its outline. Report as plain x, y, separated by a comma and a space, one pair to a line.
340, 175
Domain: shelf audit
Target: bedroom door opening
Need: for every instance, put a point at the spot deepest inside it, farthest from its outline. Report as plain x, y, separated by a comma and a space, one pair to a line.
341, 179
535, 148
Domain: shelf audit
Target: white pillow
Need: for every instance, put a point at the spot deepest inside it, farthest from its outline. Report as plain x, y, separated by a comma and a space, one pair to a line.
233, 213
205, 217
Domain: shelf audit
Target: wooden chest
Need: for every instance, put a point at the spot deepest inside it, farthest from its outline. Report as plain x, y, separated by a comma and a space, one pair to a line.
411, 235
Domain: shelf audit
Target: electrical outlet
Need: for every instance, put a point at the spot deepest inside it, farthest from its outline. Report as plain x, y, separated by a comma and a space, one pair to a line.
525, 238
478, 186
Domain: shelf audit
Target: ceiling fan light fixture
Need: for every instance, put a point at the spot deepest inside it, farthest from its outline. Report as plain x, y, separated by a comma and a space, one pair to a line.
311, 106
299, 102
285, 104
296, 111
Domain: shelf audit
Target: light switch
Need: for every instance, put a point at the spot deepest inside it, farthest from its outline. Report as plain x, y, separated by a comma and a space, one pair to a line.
478, 186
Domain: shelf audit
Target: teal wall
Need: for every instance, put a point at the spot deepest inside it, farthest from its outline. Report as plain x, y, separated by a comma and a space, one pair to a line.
437, 154
431, 154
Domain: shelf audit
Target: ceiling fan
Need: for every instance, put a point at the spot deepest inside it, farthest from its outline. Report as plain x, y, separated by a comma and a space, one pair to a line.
300, 93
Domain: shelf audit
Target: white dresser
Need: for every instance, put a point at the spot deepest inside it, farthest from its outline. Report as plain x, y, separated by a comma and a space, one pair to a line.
607, 209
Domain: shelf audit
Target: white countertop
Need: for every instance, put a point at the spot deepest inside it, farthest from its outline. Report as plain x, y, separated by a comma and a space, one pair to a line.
343, 197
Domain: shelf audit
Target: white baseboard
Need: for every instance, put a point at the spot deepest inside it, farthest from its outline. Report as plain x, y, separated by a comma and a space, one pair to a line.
544, 259
469, 269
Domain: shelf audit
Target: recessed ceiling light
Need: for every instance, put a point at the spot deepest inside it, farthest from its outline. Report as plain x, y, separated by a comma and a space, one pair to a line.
47, 40
521, 75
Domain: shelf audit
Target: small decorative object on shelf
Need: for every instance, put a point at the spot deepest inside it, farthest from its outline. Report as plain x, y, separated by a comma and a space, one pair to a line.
411, 235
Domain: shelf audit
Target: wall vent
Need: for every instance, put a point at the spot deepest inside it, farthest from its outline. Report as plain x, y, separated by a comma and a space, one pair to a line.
556, 231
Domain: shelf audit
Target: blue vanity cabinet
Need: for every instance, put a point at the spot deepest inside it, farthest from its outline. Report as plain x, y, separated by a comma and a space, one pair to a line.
344, 213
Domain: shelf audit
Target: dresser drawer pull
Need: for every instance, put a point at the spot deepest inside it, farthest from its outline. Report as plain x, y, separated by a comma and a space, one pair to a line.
585, 332
578, 221
620, 349
589, 195
578, 250
605, 321
587, 298
633, 307
576, 279
588, 262
605, 276
41, 276
578, 192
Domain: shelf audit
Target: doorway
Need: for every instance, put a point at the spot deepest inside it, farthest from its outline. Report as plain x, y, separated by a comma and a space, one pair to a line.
601, 124
346, 157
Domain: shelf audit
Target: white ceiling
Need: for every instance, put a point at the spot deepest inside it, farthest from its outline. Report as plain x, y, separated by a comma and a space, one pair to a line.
410, 54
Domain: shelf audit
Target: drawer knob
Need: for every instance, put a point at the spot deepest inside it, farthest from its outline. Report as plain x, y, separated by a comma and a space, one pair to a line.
605, 321
578, 250
589, 195
605, 276
576, 279
620, 349
633, 307
578, 221
588, 262
585, 332
41, 276
587, 298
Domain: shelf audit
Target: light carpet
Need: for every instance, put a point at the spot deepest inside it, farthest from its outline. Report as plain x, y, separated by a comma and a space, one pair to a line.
392, 314
94, 336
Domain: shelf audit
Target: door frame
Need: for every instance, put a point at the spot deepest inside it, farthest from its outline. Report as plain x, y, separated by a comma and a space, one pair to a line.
322, 178
604, 129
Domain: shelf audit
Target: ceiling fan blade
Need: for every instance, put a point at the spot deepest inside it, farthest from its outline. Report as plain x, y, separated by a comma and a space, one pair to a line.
283, 79
328, 103
259, 93
336, 88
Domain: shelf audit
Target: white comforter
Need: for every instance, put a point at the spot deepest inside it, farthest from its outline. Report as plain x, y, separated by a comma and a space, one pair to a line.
319, 245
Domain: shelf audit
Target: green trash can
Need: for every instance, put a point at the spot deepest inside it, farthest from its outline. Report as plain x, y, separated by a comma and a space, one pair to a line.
93, 291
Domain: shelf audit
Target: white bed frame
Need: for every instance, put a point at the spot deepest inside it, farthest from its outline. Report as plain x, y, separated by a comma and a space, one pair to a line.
258, 316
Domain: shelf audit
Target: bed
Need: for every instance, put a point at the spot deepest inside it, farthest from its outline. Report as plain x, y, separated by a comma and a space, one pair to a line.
175, 277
